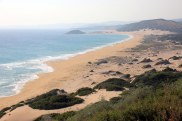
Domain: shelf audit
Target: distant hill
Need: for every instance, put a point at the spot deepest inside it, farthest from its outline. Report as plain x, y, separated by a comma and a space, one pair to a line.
75, 32
160, 24
178, 20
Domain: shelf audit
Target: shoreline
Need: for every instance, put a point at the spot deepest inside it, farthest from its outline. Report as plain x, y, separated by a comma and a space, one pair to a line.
42, 84
83, 71
48, 69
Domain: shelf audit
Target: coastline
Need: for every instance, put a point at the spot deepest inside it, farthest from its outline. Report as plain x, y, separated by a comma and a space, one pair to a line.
77, 72
45, 68
69, 68
42, 85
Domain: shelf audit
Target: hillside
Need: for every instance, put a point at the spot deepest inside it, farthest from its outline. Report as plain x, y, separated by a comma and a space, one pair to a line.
156, 97
75, 32
160, 24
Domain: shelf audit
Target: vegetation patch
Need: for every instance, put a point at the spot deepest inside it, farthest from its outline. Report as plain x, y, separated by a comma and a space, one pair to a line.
147, 66
115, 99
146, 60
134, 60
56, 116
2, 113
5, 109
139, 104
177, 38
102, 61
163, 62
180, 66
90, 111
169, 70
154, 78
54, 100
176, 57
13, 107
84, 91
126, 76
114, 84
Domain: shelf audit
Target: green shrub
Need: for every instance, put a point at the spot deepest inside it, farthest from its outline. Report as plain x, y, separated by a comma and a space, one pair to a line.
6, 109
114, 115
154, 78
56, 116
115, 99
146, 60
52, 100
154, 109
16, 106
127, 76
169, 70
163, 62
180, 66
84, 91
2, 114
142, 104
90, 111
114, 84
175, 57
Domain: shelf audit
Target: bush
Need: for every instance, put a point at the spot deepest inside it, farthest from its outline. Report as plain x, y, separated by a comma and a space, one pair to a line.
134, 60
146, 60
56, 116
114, 84
90, 111
147, 66
52, 100
84, 91
169, 70
16, 106
2, 114
180, 66
6, 109
142, 104
153, 78
162, 104
175, 57
115, 99
163, 62
127, 76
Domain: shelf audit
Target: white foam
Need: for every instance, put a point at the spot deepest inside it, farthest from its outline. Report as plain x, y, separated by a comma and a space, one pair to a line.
19, 84
21, 80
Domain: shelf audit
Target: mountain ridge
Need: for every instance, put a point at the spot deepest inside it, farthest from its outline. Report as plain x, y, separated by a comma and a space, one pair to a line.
160, 24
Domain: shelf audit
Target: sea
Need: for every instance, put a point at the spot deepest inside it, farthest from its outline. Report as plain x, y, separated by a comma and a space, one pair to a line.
23, 53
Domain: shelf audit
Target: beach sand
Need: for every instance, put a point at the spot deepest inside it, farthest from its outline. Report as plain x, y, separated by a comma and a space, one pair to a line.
74, 73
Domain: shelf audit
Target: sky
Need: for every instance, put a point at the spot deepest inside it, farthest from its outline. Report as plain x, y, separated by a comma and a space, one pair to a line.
48, 12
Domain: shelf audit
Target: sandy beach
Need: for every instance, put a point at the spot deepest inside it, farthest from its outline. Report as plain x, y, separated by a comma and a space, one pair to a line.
74, 73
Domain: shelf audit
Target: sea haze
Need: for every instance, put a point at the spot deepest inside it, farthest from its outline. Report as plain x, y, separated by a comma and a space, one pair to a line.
23, 53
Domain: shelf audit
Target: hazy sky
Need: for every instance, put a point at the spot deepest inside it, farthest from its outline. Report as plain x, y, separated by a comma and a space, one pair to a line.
40, 12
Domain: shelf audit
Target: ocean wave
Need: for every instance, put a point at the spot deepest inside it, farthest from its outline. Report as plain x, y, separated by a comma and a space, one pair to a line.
17, 86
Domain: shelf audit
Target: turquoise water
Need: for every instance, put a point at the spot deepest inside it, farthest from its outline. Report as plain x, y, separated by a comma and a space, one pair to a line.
23, 53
